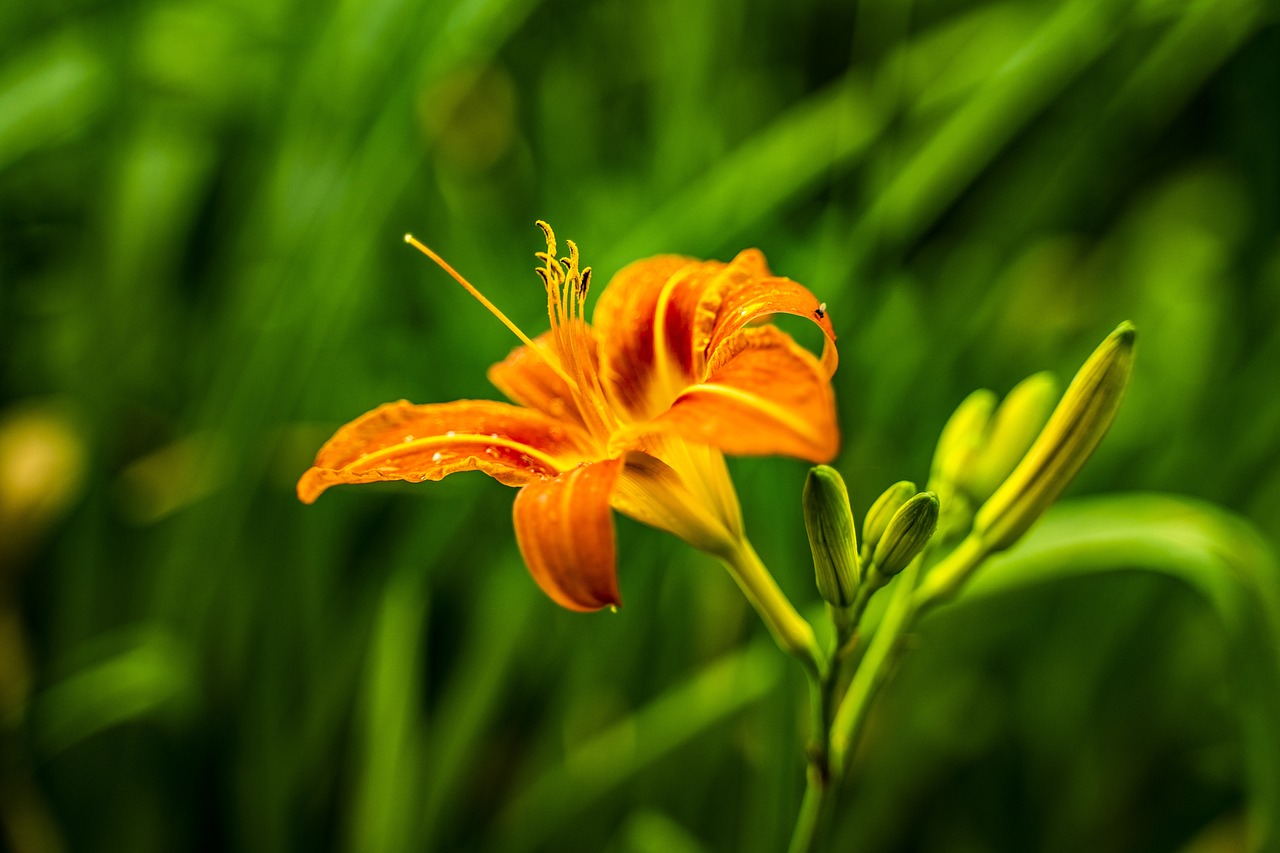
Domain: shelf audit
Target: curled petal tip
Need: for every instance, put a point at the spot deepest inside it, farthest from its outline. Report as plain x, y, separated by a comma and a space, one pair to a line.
310, 485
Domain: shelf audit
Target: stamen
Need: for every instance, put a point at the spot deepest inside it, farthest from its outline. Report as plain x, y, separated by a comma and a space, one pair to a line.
493, 309
566, 285
550, 235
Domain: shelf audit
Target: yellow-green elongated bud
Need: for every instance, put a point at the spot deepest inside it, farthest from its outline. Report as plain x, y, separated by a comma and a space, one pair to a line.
1017, 422
960, 440
1074, 429
909, 531
832, 535
877, 519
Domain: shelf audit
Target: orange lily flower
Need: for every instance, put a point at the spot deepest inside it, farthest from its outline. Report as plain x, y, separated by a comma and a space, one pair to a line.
633, 413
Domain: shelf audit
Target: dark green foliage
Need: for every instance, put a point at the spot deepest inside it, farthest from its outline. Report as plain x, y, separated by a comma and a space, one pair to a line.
202, 275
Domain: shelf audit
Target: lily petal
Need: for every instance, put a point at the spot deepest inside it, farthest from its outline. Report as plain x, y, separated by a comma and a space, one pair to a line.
403, 441
565, 530
526, 378
752, 297
770, 396
662, 321
655, 320
625, 318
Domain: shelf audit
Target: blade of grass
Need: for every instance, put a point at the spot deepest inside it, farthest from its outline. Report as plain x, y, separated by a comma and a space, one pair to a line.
151, 677
600, 765
1066, 44
793, 154
48, 94
470, 700
389, 732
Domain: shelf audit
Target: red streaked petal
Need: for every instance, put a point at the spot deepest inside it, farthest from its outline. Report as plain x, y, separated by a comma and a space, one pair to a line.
771, 397
565, 530
526, 378
695, 307
624, 320
403, 441
751, 297
655, 320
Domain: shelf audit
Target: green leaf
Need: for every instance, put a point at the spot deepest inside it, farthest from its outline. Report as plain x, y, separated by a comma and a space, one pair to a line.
1217, 555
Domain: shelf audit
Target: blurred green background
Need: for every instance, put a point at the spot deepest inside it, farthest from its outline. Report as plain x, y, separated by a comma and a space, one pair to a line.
202, 275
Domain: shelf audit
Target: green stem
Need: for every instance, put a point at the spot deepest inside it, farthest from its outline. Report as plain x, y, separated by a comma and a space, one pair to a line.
818, 783
792, 633
815, 798
795, 636
949, 575
872, 672
906, 605
854, 617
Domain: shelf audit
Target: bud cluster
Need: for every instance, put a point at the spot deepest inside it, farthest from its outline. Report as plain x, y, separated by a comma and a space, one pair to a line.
982, 442
999, 465
894, 532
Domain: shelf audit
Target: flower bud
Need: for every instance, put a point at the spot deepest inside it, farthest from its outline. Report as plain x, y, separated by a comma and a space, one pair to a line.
1020, 417
877, 519
832, 536
960, 440
909, 531
1074, 429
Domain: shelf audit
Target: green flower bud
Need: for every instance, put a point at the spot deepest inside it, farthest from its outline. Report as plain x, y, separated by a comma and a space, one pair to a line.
832, 536
877, 518
1021, 416
961, 439
909, 531
1074, 429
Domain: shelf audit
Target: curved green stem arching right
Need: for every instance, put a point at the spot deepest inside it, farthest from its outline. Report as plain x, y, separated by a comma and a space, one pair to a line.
787, 626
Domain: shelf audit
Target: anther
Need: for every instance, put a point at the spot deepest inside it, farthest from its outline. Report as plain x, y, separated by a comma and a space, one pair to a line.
550, 235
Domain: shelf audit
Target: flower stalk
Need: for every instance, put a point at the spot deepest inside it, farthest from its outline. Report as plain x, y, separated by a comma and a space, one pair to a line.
1010, 454
793, 634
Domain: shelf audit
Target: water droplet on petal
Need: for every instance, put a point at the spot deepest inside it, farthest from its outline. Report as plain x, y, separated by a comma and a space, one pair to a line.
407, 438
451, 433
437, 456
